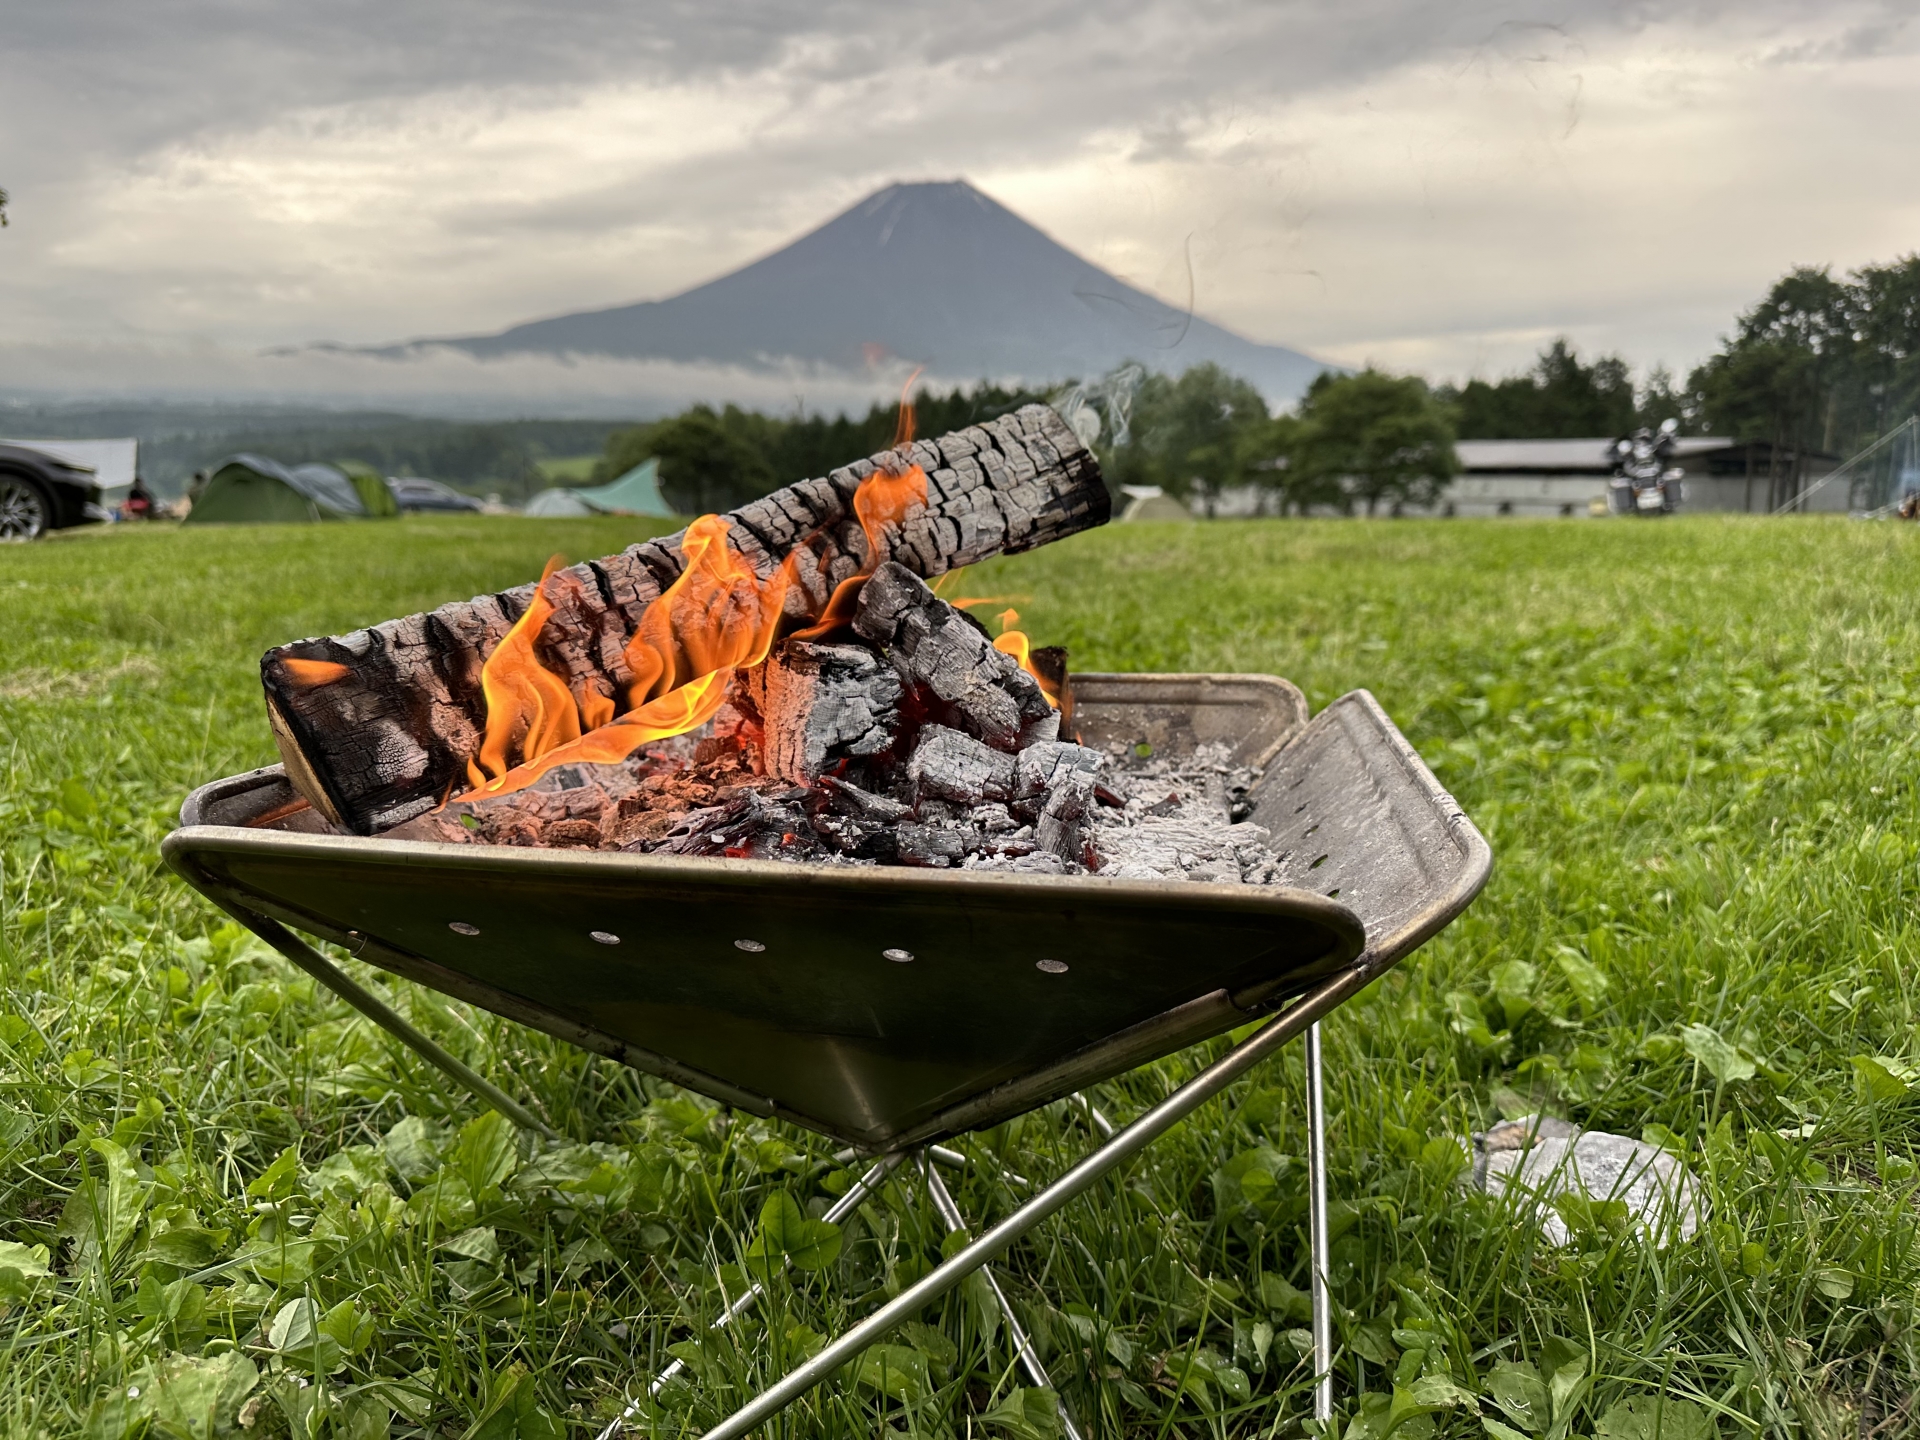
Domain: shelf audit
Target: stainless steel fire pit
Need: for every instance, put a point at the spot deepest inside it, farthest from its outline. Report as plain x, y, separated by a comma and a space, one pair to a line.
890, 1008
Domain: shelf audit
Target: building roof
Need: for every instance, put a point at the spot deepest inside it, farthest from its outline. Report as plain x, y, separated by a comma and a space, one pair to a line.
1576, 457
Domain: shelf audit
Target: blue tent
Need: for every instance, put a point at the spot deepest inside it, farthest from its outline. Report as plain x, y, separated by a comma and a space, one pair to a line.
635, 493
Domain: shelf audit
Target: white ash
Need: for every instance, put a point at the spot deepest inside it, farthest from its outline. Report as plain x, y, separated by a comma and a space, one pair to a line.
1151, 817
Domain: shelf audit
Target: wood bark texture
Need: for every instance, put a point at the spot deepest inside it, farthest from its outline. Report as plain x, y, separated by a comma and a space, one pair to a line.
382, 727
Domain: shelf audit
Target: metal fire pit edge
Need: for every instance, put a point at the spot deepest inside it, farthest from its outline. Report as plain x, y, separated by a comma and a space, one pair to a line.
818, 1025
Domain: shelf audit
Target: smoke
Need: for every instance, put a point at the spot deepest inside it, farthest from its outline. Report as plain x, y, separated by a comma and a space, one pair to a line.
1083, 405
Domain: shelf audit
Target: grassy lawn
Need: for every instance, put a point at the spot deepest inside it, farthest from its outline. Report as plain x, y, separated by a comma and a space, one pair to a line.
1689, 742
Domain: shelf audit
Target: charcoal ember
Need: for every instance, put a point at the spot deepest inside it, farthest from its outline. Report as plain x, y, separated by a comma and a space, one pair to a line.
438, 826
1041, 767
853, 837
945, 653
749, 826
936, 847
819, 706
851, 800
947, 765
567, 806
993, 819
734, 734
1062, 827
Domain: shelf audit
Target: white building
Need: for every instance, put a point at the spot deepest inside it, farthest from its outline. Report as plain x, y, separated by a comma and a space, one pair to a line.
1569, 477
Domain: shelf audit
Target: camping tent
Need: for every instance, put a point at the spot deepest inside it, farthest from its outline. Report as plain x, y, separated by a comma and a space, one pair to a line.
253, 488
635, 493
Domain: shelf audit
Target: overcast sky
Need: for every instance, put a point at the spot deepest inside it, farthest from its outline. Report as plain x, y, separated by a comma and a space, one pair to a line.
1440, 188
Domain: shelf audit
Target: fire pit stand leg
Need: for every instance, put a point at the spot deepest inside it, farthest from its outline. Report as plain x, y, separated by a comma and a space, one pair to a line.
384, 1015
843, 1207
1029, 1361
1125, 1144
1317, 1229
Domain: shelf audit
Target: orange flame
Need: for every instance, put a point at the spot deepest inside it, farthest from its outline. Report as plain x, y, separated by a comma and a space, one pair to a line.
884, 498
717, 617
310, 674
526, 702
1015, 643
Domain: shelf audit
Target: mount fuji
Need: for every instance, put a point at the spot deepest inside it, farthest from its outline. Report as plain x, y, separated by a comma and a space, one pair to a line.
935, 274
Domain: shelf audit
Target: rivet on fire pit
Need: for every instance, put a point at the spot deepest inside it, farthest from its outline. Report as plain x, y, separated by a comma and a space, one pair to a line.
461, 927
752, 947
604, 937
1052, 967
899, 957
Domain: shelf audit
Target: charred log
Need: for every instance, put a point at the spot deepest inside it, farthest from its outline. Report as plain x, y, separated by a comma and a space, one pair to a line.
945, 652
383, 727
820, 707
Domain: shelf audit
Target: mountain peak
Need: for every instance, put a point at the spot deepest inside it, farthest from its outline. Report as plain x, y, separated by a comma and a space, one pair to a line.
933, 272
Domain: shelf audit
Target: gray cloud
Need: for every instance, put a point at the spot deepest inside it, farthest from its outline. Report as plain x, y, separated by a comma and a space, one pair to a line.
184, 172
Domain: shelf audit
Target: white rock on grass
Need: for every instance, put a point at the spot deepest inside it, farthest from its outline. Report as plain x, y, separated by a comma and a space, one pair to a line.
1546, 1158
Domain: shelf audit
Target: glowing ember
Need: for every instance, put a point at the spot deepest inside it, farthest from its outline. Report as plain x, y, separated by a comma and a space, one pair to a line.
308, 674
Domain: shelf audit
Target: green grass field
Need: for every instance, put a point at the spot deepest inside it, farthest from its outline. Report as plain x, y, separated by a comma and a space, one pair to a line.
224, 1200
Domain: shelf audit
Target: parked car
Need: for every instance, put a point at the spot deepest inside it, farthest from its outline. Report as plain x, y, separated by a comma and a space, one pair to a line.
39, 492
414, 493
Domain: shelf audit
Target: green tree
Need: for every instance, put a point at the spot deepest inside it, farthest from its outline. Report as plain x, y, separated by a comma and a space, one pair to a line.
1887, 361
3, 209
1795, 374
705, 464
1371, 438
1559, 399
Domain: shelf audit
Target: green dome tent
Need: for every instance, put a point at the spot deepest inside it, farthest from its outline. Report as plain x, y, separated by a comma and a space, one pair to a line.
253, 489
635, 493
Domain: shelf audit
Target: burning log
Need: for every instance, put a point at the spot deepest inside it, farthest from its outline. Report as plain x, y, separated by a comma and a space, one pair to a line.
383, 724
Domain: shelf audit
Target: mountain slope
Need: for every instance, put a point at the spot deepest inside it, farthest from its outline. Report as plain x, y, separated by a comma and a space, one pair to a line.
937, 274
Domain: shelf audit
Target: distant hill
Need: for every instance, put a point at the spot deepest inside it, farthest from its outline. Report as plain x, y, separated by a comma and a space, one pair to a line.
937, 274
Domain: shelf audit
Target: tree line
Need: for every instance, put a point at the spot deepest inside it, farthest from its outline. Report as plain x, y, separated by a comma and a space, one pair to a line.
1820, 365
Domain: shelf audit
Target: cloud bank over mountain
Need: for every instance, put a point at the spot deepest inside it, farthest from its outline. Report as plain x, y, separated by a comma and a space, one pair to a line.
1432, 187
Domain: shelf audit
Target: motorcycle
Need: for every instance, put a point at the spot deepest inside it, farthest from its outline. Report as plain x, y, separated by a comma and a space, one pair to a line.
1644, 481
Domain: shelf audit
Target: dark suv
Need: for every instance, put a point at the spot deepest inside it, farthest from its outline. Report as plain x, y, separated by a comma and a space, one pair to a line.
39, 493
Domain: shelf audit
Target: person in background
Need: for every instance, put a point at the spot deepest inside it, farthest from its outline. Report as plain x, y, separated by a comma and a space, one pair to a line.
139, 502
